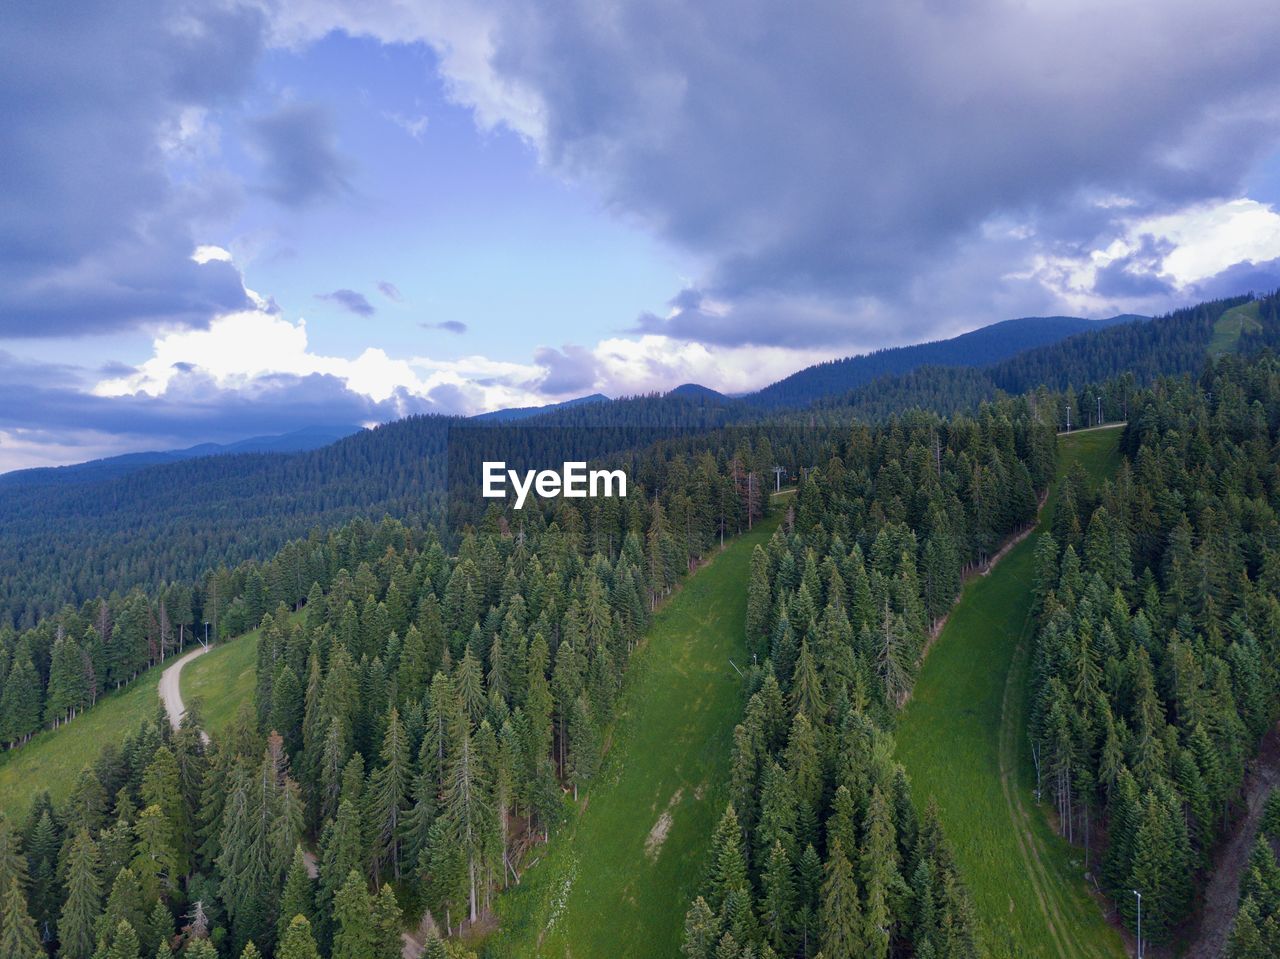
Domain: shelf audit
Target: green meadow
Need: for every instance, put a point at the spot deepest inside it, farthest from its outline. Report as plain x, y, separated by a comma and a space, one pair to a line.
962, 740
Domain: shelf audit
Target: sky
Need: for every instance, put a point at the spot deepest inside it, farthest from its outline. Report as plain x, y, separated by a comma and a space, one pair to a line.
225, 219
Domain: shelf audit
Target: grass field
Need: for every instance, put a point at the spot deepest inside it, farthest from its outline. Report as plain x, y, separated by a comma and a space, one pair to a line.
221, 680
1226, 332
613, 884
53, 759
961, 739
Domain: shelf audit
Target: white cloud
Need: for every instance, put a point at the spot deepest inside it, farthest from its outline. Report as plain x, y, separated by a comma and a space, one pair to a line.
1212, 237
1175, 250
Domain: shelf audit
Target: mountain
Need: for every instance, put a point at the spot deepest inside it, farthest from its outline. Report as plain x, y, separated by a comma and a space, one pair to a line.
697, 391
296, 441
63, 542
979, 348
524, 412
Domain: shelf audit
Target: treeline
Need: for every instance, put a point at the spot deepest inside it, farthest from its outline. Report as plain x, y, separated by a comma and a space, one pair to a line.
1157, 637
820, 850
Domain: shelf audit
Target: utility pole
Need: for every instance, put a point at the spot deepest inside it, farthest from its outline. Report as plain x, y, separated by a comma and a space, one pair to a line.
206, 634
1068, 417
1139, 895
1099, 423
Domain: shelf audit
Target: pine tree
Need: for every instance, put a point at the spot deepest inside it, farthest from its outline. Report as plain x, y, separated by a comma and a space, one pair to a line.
297, 942
759, 602
778, 899
806, 687
84, 899
154, 861
18, 936
124, 943
728, 862
466, 808
841, 912
353, 912
387, 943
298, 897
388, 795
701, 931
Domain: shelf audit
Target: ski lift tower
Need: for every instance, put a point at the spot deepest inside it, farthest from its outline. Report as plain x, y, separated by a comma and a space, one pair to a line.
778, 471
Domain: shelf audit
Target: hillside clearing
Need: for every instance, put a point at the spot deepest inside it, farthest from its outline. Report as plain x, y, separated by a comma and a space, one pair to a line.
618, 879
961, 739
1230, 326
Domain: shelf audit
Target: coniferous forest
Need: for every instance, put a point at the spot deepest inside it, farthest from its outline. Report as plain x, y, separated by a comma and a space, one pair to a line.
432, 684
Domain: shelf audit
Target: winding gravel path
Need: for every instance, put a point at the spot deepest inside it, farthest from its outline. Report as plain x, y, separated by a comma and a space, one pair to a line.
171, 687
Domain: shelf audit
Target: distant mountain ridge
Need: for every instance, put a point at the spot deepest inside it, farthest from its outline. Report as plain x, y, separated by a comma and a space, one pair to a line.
295, 441
64, 541
978, 348
524, 412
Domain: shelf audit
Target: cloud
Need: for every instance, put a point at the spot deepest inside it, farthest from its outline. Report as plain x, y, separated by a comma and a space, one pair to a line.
390, 291
449, 326
571, 369
104, 157
415, 126
298, 152
349, 300
854, 158
54, 421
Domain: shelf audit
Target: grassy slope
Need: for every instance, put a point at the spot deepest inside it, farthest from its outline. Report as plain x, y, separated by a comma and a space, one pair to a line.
596, 892
221, 680
53, 759
961, 740
1226, 332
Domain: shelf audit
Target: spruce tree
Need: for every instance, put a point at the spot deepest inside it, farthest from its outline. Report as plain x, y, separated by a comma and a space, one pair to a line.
297, 942
354, 937
298, 897
388, 795
841, 912
84, 899
387, 943
18, 936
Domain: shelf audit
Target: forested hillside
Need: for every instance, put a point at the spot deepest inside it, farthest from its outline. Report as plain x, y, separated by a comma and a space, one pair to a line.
1123, 357
1158, 636
821, 849
175, 522
977, 349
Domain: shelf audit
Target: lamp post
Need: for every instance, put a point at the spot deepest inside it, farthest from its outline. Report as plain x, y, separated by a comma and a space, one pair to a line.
1139, 895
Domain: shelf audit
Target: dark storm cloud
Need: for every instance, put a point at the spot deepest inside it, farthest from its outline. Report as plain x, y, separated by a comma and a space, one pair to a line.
571, 370
449, 326
193, 408
299, 154
349, 300
1138, 273
859, 151
1257, 278
759, 319
94, 233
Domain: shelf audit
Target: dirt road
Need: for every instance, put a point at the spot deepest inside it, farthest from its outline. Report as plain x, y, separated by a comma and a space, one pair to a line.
1223, 890
171, 687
